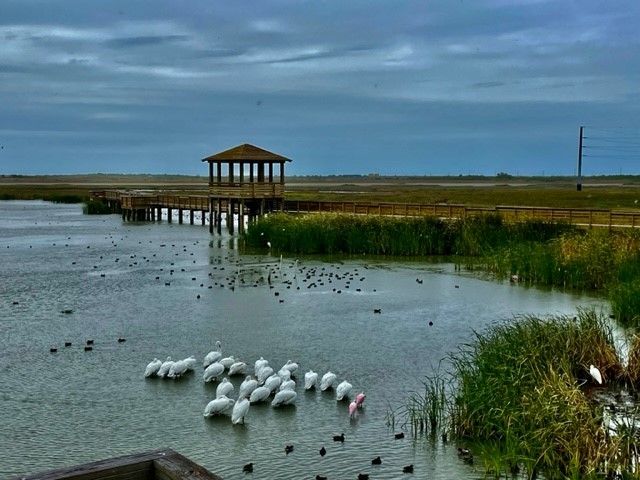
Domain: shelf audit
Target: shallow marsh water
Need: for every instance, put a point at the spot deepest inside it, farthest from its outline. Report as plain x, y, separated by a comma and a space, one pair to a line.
69, 407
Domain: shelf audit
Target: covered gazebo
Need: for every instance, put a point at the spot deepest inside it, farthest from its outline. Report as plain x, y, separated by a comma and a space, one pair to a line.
246, 180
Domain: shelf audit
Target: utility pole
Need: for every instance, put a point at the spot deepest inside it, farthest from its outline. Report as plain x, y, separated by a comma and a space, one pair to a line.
579, 180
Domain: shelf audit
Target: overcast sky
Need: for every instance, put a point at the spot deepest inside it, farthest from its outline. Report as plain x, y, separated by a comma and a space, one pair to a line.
396, 87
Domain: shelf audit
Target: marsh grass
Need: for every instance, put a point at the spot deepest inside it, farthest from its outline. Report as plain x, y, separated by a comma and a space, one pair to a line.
96, 207
427, 411
519, 392
536, 252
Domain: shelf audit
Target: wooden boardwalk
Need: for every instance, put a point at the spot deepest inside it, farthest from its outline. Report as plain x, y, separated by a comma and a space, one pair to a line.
145, 206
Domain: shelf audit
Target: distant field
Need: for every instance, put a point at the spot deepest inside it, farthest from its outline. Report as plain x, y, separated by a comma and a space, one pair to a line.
612, 192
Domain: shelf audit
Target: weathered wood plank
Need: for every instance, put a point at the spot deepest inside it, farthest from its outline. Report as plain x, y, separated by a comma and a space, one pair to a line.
159, 464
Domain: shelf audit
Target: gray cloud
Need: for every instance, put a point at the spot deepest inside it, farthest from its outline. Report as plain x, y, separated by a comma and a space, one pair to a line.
476, 87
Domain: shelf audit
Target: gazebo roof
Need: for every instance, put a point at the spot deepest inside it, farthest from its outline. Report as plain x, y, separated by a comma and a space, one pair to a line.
246, 152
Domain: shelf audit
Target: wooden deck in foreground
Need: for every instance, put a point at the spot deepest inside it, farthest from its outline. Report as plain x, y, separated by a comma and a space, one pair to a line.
155, 465
585, 218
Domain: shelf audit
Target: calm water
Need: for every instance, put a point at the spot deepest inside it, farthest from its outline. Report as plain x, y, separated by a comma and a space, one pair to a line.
70, 407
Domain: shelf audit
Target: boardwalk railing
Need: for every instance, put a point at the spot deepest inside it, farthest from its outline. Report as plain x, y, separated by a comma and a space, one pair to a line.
589, 218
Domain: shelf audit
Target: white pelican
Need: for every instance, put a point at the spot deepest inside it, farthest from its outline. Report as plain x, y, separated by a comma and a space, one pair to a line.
310, 379
224, 388
164, 368
260, 394
263, 374
240, 410
273, 382
191, 362
291, 366
213, 356
260, 363
238, 368
343, 390
218, 406
595, 373
284, 397
284, 374
327, 381
248, 386
177, 369
227, 361
152, 368
212, 372
288, 385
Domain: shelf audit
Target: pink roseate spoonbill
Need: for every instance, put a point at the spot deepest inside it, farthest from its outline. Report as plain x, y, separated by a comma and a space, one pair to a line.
595, 373
353, 407
360, 399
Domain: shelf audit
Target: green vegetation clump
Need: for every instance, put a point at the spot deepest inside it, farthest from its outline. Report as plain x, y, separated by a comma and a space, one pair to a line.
521, 395
534, 252
96, 207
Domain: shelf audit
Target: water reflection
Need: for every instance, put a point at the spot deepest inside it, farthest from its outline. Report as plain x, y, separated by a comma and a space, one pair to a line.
174, 290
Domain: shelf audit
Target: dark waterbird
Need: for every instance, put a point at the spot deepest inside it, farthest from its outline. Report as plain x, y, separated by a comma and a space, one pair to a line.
323, 452
400, 435
407, 469
288, 449
376, 461
363, 476
248, 468
338, 438
320, 477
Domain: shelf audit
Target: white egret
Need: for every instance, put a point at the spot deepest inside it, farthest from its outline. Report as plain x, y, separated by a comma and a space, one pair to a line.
595, 373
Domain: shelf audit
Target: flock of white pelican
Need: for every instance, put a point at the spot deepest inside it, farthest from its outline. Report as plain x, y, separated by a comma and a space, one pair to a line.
264, 384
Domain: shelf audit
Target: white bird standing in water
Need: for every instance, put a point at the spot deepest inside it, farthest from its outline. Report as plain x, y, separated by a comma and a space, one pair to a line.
164, 368
327, 381
224, 388
343, 390
240, 410
310, 379
153, 367
247, 387
595, 373
213, 356
238, 368
260, 364
260, 394
212, 372
177, 369
191, 362
284, 397
218, 406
